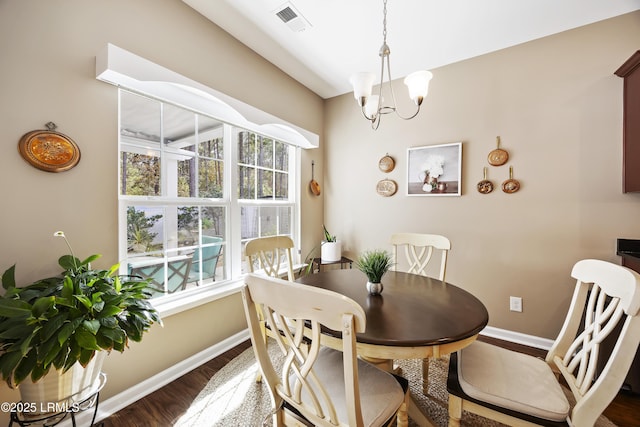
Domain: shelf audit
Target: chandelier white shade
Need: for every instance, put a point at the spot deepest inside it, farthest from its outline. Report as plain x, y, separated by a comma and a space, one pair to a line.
372, 106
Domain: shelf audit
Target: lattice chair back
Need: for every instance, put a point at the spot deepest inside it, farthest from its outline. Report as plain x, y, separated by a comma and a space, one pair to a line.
419, 250
605, 295
272, 255
325, 386
517, 389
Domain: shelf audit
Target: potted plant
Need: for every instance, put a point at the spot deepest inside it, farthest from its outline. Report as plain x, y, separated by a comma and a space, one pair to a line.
374, 264
60, 327
331, 248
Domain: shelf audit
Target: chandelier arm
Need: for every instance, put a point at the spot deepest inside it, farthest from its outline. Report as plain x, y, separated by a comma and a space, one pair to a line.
376, 122
393, 97
364, 114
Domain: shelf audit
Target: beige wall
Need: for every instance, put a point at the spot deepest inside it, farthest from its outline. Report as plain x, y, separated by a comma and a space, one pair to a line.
47, 73
558, 107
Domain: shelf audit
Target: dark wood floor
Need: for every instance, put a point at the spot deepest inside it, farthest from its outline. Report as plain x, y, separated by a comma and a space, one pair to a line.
164, 406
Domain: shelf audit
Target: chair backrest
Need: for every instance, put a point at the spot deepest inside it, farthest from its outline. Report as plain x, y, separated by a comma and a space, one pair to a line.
210, 256
178, 270
606, 295
299, 381
419, 250
272, 254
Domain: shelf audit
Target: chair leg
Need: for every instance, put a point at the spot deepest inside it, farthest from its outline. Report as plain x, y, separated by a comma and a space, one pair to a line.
425, 376
263, 329
402, 417
455, 411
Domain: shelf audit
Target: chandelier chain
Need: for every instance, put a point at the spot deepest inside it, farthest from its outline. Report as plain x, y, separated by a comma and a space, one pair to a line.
384, 22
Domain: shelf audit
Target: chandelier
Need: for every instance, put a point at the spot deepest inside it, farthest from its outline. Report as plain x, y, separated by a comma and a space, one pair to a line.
372, 105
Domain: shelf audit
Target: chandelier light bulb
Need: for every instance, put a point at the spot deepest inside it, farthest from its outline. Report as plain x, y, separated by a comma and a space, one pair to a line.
418, 85
362, 85
371, 107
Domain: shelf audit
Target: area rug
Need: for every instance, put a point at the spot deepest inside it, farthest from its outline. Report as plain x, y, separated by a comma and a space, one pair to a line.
233, 398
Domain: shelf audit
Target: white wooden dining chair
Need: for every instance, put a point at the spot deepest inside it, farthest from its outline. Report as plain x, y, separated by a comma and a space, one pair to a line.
419, 250
318, 384
272, 255
521, 390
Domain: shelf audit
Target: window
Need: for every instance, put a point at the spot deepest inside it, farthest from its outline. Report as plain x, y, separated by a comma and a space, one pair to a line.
193, 191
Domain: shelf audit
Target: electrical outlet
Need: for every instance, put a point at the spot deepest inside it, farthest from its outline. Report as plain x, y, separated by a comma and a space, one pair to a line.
515, 304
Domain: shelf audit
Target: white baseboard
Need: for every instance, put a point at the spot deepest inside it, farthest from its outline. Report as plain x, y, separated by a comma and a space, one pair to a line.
137, 392
517, 337
140, 390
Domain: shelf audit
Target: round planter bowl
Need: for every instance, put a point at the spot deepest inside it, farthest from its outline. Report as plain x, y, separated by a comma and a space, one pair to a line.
374, 288
331, 251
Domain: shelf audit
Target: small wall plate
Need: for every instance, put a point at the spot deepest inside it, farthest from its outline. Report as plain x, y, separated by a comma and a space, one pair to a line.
386, 164
386, 187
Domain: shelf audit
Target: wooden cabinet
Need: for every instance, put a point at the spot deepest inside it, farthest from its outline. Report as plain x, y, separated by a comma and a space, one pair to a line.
630, 72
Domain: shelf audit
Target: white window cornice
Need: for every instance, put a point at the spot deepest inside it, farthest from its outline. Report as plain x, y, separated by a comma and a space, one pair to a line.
119, 67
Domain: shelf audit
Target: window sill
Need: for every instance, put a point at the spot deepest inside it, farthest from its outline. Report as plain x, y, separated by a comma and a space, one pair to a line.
186, 301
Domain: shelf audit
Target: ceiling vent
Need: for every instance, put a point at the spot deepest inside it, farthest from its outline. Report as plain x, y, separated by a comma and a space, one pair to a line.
290, 16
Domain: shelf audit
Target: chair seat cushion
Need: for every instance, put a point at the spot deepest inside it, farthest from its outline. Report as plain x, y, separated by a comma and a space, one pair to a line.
511, 380
380, 392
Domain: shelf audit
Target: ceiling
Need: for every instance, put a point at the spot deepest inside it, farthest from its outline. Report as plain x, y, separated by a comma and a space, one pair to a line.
341, 37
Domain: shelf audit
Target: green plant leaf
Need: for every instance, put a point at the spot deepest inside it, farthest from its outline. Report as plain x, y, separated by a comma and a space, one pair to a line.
91, 325
38, 372
53, 349
84, 300
108, 312
52, 325
14, 308
9, 277
114, 334
69, 262
68, 329
25, 366
86, 356
42, 305
67, 288
8, 362
86, 339
90, 259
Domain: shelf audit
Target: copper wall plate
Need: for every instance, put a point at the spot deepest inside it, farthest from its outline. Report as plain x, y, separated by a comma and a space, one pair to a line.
49, 150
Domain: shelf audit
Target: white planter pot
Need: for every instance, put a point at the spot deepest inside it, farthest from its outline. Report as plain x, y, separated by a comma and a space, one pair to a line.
331, 251
61, 390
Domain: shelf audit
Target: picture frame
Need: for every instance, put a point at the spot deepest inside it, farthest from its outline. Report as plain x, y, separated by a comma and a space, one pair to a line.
435, 170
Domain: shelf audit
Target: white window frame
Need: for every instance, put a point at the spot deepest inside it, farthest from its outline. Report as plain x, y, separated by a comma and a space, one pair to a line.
234, 258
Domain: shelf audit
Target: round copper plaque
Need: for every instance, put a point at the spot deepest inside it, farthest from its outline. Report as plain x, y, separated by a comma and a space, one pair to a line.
49, 150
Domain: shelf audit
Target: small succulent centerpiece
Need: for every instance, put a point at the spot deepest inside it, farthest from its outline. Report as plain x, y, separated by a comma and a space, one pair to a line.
56, 326
374, 264
331, 249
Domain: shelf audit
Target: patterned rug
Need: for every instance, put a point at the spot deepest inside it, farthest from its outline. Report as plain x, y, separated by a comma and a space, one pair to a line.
233, 398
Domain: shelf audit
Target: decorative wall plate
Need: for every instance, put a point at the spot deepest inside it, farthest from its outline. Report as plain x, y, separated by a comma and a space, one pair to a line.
49, 150
387, 187
386, 164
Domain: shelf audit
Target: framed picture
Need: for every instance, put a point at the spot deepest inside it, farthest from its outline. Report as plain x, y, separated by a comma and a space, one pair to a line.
434, 170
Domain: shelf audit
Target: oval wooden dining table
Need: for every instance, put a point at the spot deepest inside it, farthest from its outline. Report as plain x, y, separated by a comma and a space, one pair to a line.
415, 317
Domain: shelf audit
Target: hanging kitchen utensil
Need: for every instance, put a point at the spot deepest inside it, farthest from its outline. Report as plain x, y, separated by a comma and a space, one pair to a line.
485, 186
511, 185
498, 157
313, 185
